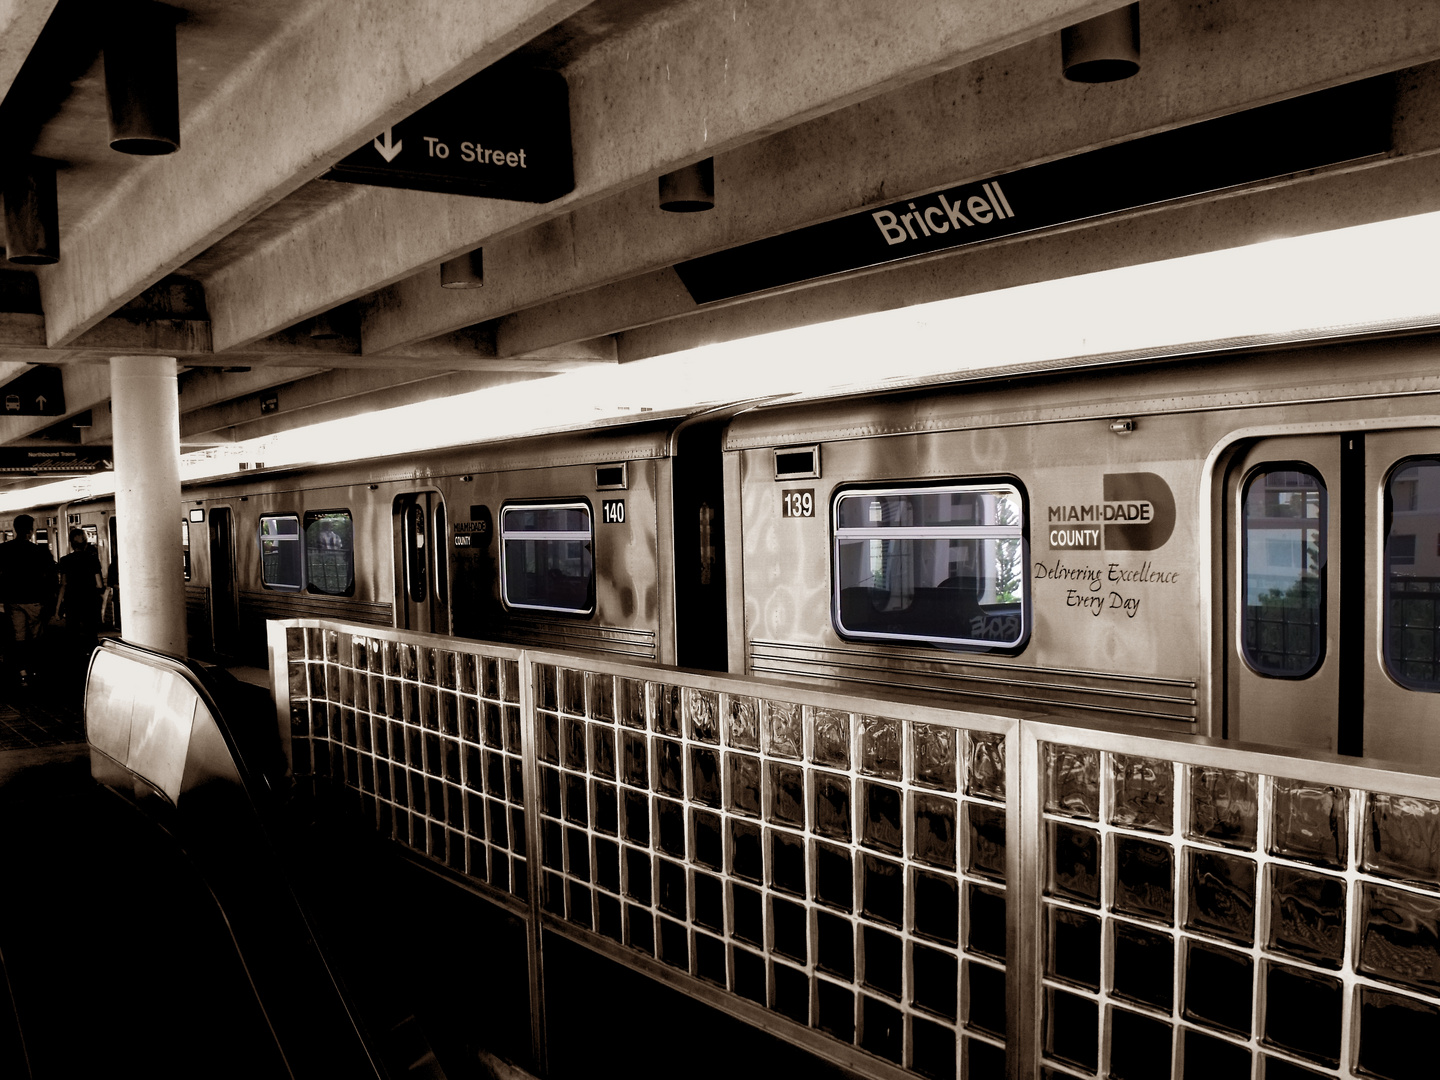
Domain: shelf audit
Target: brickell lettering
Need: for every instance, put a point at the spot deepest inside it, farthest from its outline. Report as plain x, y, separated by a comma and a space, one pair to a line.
1090, 593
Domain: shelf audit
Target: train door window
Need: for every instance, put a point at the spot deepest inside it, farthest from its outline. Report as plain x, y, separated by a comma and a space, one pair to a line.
281, 564
330, 552
442, 568
1283, 556
185, 547
943, 565
1412, 574
547, 557
417, 555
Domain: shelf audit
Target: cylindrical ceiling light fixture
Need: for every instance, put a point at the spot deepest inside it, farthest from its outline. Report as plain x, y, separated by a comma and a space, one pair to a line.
689, 190
142, 79
1103, 49
32, 216
464, 271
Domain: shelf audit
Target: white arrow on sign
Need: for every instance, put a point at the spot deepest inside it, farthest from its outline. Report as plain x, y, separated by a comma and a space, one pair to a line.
387, 149
40, 401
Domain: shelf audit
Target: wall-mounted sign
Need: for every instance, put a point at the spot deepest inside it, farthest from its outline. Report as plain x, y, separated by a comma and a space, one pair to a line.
1345, 123
37, 392
499, 135
55, 461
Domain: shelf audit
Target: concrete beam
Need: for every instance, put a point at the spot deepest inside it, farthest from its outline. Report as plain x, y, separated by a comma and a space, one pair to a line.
20, 24
1329, 201
337, 74
698, 80
999, 113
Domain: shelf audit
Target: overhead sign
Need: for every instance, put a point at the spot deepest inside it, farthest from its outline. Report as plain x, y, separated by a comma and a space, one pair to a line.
55, 461
1342, 124
37, 392
500, 135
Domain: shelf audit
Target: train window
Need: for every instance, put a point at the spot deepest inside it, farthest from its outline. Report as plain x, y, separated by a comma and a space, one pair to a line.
185, 547
941, 565
281, 566
1412, 574
330, 552
416, 555
547, 557
442, 554
1282, 557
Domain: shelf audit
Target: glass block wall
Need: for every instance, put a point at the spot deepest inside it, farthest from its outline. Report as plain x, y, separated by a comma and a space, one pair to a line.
424, 739
1201, 921
841, 869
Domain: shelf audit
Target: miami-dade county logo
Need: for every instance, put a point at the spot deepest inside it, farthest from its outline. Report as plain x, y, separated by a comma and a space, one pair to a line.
1136, 513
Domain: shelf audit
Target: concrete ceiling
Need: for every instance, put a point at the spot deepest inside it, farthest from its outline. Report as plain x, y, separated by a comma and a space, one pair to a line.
224, 253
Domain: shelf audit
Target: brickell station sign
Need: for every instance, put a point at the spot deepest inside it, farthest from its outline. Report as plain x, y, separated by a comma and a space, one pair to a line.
503, 134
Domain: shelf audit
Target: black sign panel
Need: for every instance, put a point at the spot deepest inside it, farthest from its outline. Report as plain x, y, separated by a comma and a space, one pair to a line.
37, 392
500, 135
55, 461
1342, 124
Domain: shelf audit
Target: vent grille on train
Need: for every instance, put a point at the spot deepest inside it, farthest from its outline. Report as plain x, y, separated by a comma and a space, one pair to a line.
797, 463
611, 477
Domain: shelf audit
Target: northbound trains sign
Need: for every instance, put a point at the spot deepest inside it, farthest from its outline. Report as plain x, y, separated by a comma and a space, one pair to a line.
1346, 123
500, 135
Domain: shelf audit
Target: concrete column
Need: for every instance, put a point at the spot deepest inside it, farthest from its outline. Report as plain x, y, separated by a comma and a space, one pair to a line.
144, 397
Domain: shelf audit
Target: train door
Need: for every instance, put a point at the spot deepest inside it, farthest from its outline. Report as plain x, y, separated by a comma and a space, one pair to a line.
422, 572
1332, 550
224, 609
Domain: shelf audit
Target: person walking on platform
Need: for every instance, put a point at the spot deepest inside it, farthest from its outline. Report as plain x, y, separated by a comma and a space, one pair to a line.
27, 589
81, 588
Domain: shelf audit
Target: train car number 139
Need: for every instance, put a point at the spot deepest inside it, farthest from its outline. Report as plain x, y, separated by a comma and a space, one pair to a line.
798, 503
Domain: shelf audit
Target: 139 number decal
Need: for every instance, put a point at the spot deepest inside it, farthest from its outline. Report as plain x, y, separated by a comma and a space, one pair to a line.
798, 503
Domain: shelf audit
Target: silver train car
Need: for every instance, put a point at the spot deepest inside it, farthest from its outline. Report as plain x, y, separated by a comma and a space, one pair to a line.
1240, 544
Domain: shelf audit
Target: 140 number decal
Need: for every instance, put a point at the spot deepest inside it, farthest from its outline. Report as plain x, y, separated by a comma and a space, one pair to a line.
612, 511
799, 503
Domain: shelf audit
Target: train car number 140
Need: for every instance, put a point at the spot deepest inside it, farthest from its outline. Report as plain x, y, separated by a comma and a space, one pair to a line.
798, 504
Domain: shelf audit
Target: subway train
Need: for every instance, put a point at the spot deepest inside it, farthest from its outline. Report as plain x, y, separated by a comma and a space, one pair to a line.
1239, 542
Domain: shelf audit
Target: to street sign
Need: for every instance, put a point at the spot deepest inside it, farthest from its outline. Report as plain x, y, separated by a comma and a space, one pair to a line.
499, 135
37, 392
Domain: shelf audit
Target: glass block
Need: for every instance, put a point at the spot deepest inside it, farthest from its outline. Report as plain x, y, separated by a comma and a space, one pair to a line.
670, 827
1072, 1029
1071, 776
1302, 1013
980, 1058
631, 703
407, 661
670, 888
705, 776
572, 743
742, 723
787, 926
1207, 1056
571, 691
935, 750
640, 929
787, 862
792, 993
835, 1010
830, 805
831, 731
1219, 987
933, 830
985, 998
637, 818
665, 706
784, 794
1221, 893
546, 696
782, 723
935, 981
835, 945
1402, 838
1140, 1046
669, 770
744, 783
880, 817
1393, 1029
577, 801
882, 895
882, 1029
834, 877
984, 918
607, 917
985, 764
602, 750
674, 945
635, 761
1307, 915
746, 857
1400, 937
637, 875
1144, 793
1073, 868
707, 839
1309, 822
1072, 947
883, 956
601, 690
1144, 965
880, 742
607, 865
510, 684
747, 919
710, 959
984, 839
512, 729
749, 975
702, 714
490, 677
